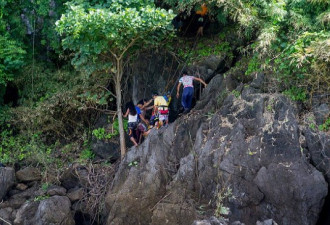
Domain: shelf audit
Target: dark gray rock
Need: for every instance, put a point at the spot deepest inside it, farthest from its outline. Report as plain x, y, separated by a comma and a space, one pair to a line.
21, 187
56, 190
105, 149
25, 214
267, 222
321, 113
14, 203
54, 210
258, 81
74, 176
6, 214
7, 179
281, 185
27, 194
213, 95
318, 145
211, 221
76, 194
237, 223
28, 174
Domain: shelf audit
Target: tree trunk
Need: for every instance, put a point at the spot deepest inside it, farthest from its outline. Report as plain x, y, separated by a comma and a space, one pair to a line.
119, 74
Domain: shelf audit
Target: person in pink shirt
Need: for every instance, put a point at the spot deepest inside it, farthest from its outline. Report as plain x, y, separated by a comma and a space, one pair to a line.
188, 90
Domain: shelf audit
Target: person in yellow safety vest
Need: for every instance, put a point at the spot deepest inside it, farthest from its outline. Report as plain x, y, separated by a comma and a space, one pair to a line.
161, 110
201, 19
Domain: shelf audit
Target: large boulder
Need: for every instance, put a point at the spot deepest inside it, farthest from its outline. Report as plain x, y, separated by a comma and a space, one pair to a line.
28, 174
7, 179
25, 214
105, 149
54, 210
321, 113
74, 176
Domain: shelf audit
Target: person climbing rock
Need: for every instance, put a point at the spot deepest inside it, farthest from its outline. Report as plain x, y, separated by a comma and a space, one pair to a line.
161, 110
201, 20
142, 104
142, 128
188, 90
134, 115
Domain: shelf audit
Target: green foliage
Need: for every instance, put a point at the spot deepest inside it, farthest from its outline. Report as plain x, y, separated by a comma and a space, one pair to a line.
98, 34
217, 46
45, 186
222, 48
222, 195
40, 198
133, 163
236, 93
11, 58
32, 23
103, 134
253, 66
87, 154
221, 97
296, 94
326, 126
27, 148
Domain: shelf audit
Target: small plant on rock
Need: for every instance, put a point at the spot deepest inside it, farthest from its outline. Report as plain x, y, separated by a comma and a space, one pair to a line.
325, 126
223, 194
236, 93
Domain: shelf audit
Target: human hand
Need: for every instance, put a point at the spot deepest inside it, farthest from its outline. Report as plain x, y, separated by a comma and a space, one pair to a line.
177, 95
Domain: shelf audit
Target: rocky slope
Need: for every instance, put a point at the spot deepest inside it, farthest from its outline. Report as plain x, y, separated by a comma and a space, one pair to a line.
242, 155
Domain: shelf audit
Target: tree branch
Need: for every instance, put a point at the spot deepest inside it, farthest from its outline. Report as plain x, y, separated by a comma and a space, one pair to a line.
128, 46
112, 94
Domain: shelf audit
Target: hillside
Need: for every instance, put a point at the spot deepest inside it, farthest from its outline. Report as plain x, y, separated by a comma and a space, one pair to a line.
253, 149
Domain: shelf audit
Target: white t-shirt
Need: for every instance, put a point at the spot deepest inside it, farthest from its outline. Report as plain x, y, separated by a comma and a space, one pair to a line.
187, 81
132, 119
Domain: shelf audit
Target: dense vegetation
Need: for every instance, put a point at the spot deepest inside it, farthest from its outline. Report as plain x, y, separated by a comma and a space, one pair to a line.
289, 40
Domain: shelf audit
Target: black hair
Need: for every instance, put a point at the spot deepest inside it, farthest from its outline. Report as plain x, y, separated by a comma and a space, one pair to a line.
154, 94
142, 101
130, 105
184, 72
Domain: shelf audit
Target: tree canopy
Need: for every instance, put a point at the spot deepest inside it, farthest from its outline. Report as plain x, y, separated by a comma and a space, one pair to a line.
97, 34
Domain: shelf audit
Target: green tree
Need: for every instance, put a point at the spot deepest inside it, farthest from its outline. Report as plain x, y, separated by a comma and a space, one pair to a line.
103, 37
11, 59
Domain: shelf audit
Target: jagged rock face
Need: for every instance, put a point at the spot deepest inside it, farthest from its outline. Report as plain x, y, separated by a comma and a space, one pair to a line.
248, 146
7, 178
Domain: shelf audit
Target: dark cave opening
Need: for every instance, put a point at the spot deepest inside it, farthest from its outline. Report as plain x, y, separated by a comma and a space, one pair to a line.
10, 96
84, 219
324, 218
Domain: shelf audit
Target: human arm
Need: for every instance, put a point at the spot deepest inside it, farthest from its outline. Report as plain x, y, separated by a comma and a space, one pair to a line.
200, 80
126, 114
143, 119
147, 103
178, 90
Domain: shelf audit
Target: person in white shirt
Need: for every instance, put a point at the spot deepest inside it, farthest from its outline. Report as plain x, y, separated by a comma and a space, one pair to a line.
188, 90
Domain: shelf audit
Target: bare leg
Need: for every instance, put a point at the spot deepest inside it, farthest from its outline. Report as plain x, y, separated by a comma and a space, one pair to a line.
133, 140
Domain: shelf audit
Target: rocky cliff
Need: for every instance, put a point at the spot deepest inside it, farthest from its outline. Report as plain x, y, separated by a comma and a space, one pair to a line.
241, 155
